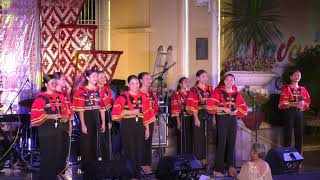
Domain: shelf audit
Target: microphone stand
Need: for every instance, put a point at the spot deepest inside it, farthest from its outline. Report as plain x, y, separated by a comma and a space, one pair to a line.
18, 93
254, 116
99, 137
98, 132
1, 131
183, 145
158, 122
109, 135
182, 133
206, 119
253, 97
160, 78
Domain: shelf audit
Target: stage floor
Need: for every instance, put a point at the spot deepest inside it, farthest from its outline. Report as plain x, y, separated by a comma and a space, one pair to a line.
311, 171
311, 167
19, 175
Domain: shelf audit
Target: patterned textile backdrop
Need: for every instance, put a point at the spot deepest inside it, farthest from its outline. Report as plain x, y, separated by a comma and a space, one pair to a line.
18, 47
63, 42
100, 60
53, 14
71, 39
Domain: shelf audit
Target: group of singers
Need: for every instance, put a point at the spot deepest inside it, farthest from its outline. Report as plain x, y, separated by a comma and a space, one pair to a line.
136, 110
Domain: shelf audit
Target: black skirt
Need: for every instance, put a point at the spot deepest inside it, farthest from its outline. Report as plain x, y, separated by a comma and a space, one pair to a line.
132, 139
147, 156
105, 141
294, 123
200, 135
185, 136
226, 141
64, 128
88, 142
53, 149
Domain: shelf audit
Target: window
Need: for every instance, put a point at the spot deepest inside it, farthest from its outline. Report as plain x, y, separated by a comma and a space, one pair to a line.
95, 12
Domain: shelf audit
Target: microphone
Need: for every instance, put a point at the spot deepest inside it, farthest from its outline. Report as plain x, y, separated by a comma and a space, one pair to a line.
165, 66
246, 88
27, 80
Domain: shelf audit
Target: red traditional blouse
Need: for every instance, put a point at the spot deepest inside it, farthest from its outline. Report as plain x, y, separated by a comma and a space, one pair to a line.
46, 104
129, 102
67, 100
198, 98
153, 98
291, 95
88, 99
178, 103
107, 100
233, 101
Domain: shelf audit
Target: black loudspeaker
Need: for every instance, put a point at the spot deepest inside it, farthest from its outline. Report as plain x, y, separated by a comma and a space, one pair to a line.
115, 169
178, 167
118, 82
283, 160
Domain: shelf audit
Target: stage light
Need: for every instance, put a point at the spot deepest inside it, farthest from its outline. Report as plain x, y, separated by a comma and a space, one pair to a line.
5, 4
9, 19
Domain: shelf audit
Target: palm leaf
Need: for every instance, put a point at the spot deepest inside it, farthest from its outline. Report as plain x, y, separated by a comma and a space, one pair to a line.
250, 23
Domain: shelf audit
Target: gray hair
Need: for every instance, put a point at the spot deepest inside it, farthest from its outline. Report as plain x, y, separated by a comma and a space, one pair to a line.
260, 149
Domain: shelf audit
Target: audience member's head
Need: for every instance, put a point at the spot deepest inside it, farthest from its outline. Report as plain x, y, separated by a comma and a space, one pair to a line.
259, 150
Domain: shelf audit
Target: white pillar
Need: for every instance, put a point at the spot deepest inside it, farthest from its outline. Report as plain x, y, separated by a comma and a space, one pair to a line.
185, 38
215, 42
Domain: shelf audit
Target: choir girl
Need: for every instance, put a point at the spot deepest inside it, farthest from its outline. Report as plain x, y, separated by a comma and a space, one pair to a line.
88, 102
294, 99
133, 109
228, 106
197, 106
50, 115
184, 120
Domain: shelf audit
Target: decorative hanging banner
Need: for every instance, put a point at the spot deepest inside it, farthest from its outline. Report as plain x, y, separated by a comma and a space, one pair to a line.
99, 60
53, 14
73, 38
18, 60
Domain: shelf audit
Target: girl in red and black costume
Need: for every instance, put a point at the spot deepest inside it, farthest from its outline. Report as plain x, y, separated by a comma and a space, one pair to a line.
88, 102
105, 89
228, 104
184, 120
50, 115
134, 111
62, 91
197, 106
108, 102
145, 88
294, 99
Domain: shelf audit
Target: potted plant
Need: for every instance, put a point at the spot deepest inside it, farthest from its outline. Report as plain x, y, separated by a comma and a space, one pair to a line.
251, 71
256, 100
251, 31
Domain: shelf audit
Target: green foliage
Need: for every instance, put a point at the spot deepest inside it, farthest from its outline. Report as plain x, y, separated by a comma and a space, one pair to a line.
260, 100
249, 64
251, 24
